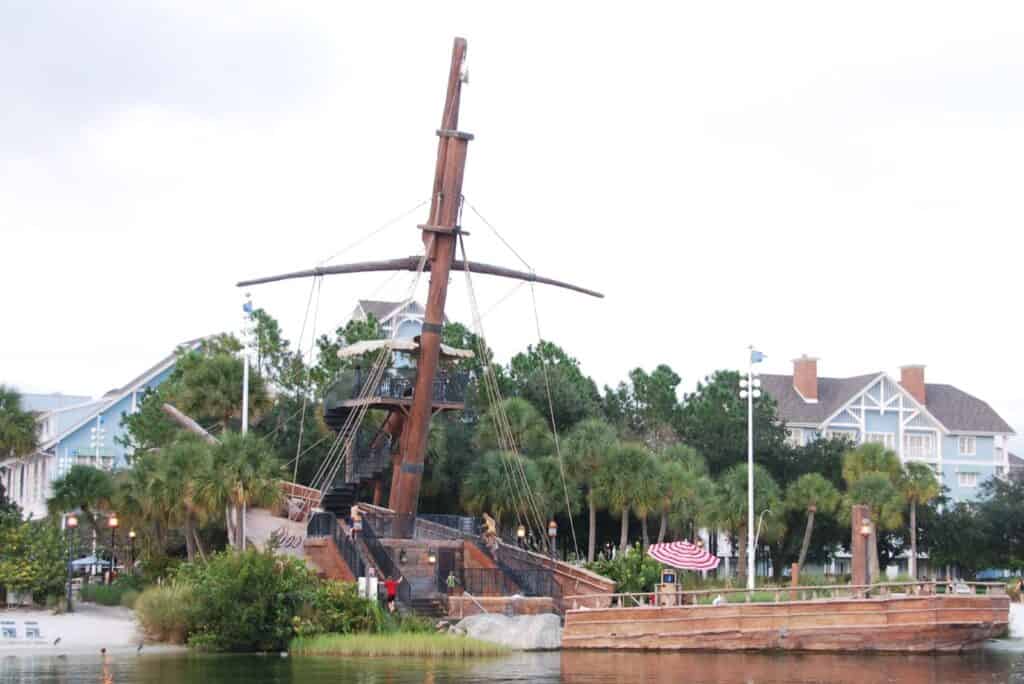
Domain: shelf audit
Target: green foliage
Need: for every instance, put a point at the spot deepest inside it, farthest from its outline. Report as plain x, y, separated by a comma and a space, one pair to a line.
530, 432
328, 365
122, 592
208, 387
730, 504
17, 426
633, 571
879, 494
871, 458
574, 396
32, 555
82, 488
166, 612
647, 408
918, 483
337, 608
812, 492
713, 420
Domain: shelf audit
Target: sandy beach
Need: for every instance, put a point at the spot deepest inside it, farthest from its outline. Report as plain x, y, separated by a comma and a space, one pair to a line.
90, 628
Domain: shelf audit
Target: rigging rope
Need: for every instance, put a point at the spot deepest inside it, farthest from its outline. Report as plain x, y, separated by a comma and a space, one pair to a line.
387, 224
305, 390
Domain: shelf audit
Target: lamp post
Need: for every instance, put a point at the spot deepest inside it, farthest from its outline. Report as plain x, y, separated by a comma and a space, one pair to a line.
112, 523
521, 535
750, 389
131, 549
70, 525
552, 533
865, 531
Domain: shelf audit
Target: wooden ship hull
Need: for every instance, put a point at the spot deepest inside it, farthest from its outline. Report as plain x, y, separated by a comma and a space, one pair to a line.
923, 624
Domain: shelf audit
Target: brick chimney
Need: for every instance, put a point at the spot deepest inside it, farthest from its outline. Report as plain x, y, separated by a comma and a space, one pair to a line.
912, 379
805, 378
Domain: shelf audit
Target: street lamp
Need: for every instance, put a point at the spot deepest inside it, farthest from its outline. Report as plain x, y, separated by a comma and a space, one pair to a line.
521, 535
552, 533
112, 523
865, 531
431, 556
131, 548
750, 389
70, 525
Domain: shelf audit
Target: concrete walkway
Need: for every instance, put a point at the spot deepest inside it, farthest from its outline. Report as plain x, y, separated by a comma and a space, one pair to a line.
90, 628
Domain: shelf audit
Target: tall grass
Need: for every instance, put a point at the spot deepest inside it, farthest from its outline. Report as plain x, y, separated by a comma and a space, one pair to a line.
395, 644
165, 612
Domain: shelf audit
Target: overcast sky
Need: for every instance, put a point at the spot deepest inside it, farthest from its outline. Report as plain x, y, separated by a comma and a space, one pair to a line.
843, 181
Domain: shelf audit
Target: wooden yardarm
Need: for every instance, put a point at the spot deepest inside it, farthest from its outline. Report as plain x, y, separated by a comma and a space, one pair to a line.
439, 233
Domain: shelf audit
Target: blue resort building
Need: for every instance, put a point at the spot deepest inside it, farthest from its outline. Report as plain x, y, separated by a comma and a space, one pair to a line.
960, 436
77, 430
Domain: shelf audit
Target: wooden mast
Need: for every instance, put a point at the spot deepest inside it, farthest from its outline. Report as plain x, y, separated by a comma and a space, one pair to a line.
439, 235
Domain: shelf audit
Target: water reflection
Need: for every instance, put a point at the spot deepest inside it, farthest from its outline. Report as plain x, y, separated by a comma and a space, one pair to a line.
571, 667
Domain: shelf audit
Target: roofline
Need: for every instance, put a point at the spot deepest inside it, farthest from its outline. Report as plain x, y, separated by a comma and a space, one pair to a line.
172, 358
900, 388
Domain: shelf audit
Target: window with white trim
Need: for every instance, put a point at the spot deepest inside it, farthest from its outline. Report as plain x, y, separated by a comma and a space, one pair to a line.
967, 479
968, 445
842, 434
918, 445
886, 439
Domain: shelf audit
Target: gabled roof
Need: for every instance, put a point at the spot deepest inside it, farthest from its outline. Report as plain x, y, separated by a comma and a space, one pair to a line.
832, 394
116, 395
957, 410
383, 310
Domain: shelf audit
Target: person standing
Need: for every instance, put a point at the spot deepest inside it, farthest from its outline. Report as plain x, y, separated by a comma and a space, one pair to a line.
391, 591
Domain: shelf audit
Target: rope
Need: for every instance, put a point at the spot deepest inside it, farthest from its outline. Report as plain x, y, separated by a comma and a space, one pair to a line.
378, 229
309, 360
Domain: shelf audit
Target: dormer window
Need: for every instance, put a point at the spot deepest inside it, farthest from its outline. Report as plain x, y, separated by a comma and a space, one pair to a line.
968, 445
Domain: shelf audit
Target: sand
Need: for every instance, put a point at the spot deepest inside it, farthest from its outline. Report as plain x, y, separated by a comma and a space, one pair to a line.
87, 630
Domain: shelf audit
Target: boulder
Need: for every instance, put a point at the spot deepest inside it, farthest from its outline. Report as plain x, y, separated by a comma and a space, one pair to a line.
521, 632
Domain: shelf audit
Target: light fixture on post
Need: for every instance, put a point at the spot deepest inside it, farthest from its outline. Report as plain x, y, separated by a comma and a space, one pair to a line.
552, 534
403, 558
131, 549
750, 389
431, 556
70, 525
521, 535
865, 531
112, 523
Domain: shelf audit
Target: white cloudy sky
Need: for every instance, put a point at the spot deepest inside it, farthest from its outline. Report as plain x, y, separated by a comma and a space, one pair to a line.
842, 181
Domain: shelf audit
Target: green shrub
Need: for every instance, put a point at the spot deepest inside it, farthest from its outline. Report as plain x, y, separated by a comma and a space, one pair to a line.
336, 607
434, 645
248, 601
111, 594
633, 571
165, 612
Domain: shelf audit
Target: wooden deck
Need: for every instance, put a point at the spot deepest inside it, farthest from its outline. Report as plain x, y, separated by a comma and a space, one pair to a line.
928, 623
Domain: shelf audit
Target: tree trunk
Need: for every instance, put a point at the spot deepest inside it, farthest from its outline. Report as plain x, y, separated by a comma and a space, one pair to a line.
239, 528
912, 565
229, 524
741, 553
875, 568
807, 539
592, 541
663, 528
624, 534
190, 544
199, 544
643, 527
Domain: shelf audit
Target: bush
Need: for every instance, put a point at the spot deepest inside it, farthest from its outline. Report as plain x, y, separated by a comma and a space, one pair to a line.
112, 594
430, 645
633, 571
165, 612
248, 601
336, 607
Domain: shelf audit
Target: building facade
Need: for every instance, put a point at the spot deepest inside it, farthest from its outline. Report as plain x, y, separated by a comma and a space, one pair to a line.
959, 436
77, 430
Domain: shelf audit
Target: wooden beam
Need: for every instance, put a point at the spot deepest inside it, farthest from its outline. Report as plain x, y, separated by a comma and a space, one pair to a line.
187, 423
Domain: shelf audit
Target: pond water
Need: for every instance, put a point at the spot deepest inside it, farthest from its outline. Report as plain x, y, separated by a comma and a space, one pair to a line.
576, 667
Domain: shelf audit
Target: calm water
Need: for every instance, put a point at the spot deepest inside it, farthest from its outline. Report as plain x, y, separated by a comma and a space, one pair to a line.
579, 668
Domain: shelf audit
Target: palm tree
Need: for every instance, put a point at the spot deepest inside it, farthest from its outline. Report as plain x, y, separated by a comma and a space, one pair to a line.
885, 505
491, 486
622, 483
17, 426
185, 466
730, 506
529, 430
874, 463
587, 447
243, 472
811, 493
687, 487
82, 488
918, 486
209, 385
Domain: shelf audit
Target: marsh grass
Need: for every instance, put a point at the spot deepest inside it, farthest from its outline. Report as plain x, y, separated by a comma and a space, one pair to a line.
394, 644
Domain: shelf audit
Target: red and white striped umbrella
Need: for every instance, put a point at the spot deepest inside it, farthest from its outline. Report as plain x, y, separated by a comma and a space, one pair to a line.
683, 555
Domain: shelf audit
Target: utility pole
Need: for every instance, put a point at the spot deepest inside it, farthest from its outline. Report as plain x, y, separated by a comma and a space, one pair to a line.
750, 388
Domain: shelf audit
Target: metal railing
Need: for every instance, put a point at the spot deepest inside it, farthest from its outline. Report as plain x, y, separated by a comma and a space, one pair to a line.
781, 594
462, 523
398, 383
382, 558
325, 524
366, 460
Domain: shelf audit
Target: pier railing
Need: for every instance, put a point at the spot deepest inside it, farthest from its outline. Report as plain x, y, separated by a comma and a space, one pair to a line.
778, 594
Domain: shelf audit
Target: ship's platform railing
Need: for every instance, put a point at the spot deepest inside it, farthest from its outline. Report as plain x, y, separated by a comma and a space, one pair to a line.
779, 594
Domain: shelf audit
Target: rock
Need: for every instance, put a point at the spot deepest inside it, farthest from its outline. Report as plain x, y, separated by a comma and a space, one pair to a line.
522, 632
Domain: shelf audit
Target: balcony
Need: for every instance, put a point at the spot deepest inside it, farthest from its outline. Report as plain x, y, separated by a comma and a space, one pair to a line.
395, 388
